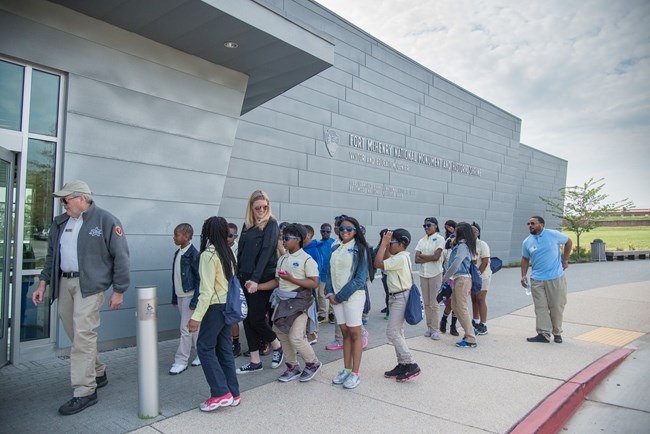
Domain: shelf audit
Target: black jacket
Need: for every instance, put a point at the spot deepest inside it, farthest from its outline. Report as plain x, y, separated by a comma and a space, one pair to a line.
256, 255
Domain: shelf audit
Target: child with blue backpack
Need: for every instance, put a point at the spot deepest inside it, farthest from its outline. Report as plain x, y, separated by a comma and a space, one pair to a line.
217, 266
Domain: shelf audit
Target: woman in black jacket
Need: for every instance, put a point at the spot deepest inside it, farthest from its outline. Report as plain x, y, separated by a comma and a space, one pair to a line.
257, 260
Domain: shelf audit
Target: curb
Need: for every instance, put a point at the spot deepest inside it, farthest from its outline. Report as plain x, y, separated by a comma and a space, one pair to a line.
556, 410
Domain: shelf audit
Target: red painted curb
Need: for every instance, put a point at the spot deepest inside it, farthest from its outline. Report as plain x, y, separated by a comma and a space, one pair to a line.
555, 411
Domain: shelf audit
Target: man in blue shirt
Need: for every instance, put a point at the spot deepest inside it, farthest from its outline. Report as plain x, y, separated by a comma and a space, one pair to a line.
541, 249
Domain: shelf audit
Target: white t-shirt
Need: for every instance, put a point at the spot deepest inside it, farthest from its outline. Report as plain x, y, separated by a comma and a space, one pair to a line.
428, 246
299, 264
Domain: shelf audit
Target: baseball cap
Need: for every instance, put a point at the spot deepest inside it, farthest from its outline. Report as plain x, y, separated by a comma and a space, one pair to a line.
72, 187
432, 220
403, 236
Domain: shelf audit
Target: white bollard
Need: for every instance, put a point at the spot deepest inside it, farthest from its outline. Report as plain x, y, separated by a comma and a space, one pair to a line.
147, 343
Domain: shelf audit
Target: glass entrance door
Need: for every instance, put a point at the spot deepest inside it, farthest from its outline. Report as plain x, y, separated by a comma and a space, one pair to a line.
6, 190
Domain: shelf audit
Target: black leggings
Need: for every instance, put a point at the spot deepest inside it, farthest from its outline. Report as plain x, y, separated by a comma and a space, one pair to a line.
255, 325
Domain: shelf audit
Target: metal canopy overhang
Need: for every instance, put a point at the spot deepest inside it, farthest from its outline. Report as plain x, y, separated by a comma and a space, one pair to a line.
276, 53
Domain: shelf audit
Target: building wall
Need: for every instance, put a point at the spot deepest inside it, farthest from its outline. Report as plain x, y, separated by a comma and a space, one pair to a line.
541, 175
149, 128
375, 92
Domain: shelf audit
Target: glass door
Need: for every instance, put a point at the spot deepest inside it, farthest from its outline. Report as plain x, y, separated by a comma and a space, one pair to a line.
6, 190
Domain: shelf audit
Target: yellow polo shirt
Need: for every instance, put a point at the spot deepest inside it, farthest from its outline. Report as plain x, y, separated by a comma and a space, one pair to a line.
398, 271
428, 246
299, 264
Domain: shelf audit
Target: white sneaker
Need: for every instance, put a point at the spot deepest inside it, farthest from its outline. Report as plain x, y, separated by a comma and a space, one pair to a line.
435, 335
196, 361
177, 369
427, 334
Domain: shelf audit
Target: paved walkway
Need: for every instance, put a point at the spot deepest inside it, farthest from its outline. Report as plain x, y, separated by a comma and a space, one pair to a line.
488, 389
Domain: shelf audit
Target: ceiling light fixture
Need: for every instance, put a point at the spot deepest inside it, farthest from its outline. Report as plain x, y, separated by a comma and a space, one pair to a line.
230, 44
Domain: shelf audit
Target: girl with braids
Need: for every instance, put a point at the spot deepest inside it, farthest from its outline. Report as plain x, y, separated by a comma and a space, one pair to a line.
346, 280
458, 269
216, 267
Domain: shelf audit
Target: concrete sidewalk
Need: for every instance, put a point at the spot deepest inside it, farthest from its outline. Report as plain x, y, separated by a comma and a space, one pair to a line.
490, 388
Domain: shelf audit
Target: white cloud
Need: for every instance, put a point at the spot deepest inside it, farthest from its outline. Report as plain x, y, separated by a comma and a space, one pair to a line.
576, 73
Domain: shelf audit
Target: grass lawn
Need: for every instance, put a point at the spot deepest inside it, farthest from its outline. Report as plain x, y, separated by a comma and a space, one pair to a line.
615, 238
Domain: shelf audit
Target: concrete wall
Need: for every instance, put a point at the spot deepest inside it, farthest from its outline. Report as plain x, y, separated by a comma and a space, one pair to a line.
149, 128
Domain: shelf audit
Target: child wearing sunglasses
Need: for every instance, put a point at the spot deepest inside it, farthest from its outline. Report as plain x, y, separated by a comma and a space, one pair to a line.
396, 261
296, 276
346, 281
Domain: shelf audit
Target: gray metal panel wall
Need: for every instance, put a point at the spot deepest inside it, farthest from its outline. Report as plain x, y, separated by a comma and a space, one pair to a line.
149, 128
541, 175
375, 92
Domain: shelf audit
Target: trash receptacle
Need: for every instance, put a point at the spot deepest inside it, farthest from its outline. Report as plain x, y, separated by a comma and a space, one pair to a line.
598, 251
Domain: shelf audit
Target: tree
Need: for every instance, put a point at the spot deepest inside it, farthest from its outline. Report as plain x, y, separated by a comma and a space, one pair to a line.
581, 206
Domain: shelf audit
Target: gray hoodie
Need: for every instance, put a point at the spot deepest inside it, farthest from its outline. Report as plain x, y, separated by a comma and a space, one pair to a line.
102, 252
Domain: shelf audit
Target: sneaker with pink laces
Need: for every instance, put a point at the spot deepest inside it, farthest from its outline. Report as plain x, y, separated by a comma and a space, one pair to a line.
334, 345
212, 404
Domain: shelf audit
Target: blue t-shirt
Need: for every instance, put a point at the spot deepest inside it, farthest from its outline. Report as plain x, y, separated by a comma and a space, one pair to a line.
544, 252
313, 250
325, 248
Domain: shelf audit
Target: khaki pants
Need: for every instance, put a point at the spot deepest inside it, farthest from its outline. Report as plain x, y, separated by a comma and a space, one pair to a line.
549, 297
460, 306
395, 329
80, 318
296, 342
323, 302
430, 287
187, 339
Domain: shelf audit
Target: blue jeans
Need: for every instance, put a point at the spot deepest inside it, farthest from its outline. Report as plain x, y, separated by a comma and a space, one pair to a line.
214, 348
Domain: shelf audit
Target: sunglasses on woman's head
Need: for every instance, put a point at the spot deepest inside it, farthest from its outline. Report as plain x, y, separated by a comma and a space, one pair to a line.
347, 228
286, 238
261, 207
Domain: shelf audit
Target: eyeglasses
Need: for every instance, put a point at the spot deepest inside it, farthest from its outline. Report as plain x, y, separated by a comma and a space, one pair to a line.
65, 201
283, 226
232, 235
427, 225
286, 238
340, 217
347, 228
261, 207
325, 231
530, 223
394, 241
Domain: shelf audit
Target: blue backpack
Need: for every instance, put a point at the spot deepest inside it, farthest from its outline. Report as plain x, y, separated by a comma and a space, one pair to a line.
495, 264
236, 306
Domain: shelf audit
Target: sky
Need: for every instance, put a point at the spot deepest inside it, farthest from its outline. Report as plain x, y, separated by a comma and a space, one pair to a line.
576, 72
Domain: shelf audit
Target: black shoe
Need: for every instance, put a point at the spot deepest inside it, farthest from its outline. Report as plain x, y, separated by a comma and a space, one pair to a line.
412, 370
538, 338
482, 329
75, 405
443, 325
332, 318
102, 381
453, 331
384, 310
557, 339
236, 349
397, 370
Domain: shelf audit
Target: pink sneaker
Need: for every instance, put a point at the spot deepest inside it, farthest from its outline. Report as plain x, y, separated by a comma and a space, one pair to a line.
213, 403
334, 345
364, 338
